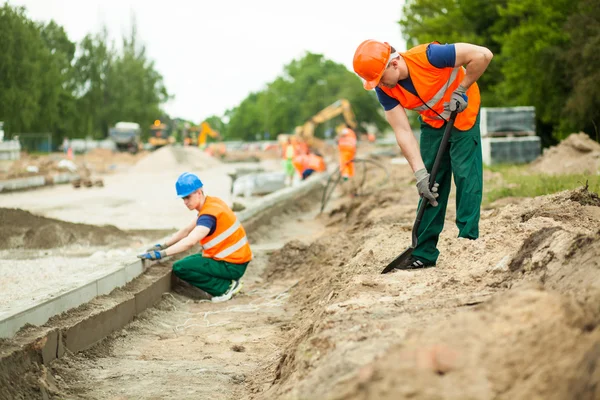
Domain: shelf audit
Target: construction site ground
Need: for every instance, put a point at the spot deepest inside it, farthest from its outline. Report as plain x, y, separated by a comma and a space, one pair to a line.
512, 315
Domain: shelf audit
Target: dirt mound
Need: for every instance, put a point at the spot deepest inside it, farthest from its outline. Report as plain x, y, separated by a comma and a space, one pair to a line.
176, 157
41, 165
24, 230
511, 315
577, 154
106, 160
522, 345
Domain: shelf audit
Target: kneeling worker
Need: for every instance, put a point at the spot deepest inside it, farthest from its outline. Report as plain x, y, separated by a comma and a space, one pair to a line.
226, 252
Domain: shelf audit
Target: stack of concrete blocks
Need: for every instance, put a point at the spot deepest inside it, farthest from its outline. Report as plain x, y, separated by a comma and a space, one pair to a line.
10, 150
508, 135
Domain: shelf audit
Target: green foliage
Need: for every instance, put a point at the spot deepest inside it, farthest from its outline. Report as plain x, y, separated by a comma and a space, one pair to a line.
50, 84
545, 54
469, 21
518, 182
306, 86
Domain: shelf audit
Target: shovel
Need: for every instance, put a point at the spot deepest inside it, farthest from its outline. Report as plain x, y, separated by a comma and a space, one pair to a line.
402, 258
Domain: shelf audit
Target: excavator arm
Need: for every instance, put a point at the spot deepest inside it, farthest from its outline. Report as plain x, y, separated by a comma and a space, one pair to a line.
204, 130
342, 106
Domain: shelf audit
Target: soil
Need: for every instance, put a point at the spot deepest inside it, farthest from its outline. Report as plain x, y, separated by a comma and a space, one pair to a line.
512, 315
577, 154
94, 162
24, 230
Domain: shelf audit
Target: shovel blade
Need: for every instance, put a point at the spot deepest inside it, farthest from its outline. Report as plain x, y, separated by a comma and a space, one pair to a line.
402, 258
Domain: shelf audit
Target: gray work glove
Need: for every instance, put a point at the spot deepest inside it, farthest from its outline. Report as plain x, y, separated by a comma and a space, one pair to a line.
423, 187
153, 255
459, 100
160, 246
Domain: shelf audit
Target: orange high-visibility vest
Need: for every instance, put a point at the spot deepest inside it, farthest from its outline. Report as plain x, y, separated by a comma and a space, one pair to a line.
347, 140
228, 242
435, 87
299, 163
315, 163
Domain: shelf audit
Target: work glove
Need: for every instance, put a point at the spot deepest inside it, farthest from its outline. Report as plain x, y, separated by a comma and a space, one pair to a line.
158, 247
152, 255
459, 100
423, 187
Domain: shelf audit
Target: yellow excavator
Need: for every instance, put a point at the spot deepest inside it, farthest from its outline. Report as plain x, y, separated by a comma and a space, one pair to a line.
342, 106
203, 131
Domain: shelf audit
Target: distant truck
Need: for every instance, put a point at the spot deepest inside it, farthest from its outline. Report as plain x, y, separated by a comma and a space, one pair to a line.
126, 136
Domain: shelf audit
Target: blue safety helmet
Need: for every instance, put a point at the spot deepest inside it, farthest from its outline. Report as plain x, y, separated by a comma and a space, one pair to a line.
187, 184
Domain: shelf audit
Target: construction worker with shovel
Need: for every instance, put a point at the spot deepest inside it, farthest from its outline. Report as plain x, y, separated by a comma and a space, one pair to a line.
437, 81
225, 249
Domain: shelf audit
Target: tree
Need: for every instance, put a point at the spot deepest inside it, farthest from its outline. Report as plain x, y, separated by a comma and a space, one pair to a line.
305, 87
530, 59
582, 109
22, 53
134, 89
545, 54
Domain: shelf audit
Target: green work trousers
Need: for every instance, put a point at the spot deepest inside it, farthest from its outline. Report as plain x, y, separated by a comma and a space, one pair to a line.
462, 159
212, 276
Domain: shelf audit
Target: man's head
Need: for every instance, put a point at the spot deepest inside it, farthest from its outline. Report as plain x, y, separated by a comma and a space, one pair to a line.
194, 200
189, 188
377, 63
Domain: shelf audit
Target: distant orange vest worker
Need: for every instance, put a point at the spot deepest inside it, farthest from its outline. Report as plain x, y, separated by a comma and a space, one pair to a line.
435, 87
347, 148
315, 162
300, 163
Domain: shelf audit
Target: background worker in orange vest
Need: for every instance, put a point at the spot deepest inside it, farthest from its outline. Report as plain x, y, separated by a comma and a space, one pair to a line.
288, 154
347, 148
433, 79
309, 163
226, 252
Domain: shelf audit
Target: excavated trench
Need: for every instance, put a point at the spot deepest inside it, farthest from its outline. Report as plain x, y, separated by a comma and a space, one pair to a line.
185, 348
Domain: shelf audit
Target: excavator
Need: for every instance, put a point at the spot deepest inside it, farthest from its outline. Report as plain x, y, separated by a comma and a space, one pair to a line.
203, 131
342, 106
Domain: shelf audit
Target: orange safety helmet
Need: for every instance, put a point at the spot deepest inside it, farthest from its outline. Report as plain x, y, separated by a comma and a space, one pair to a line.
370, 61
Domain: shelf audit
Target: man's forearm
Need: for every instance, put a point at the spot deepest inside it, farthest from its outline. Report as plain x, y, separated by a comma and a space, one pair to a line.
180, 246
410, 149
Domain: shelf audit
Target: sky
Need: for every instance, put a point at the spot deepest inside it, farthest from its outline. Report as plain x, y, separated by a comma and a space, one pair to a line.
212, 54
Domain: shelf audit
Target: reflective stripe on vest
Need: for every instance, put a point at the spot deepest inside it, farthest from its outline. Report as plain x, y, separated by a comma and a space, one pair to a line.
233, 248
224, 235
439, 95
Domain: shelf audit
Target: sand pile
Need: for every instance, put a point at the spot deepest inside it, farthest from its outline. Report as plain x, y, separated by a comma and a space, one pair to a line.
577, 154
188, 158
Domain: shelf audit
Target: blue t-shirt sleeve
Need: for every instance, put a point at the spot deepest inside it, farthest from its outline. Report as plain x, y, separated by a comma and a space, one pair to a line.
386, 101
208, 221
441, 55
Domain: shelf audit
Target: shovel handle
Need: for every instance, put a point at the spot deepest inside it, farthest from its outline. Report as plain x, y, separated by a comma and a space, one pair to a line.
432, 175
